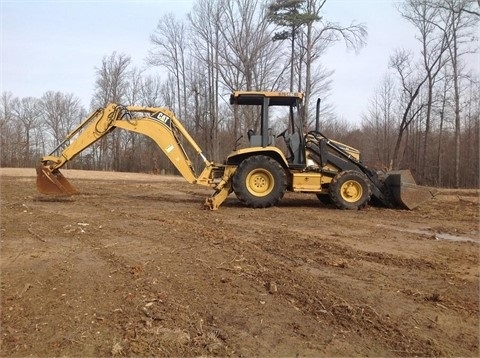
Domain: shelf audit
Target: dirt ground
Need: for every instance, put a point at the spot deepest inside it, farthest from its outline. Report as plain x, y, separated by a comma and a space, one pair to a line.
134, 267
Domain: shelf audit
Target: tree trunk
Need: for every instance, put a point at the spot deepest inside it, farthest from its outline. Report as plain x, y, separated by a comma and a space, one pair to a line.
457, 112
292, 59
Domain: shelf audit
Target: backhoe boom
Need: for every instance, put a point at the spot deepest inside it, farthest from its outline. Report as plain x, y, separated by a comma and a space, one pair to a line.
158, 123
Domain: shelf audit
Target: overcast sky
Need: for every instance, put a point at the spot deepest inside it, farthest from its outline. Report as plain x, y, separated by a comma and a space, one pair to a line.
56, 45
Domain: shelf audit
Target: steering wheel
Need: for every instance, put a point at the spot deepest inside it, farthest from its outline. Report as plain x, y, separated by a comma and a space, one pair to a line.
282, 134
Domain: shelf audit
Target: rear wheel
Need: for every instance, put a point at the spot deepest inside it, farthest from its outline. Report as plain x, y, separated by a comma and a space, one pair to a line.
350, 190
259, 182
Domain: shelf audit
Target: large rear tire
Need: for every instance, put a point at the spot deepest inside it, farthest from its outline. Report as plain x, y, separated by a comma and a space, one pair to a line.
259, 182
350, 190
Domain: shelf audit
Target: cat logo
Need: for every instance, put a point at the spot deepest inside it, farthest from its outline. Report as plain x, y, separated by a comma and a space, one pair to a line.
162, 118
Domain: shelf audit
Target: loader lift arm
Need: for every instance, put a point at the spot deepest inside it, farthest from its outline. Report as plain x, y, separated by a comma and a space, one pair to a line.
158, 123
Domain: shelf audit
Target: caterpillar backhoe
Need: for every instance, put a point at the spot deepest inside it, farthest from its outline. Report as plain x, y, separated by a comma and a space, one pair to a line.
258, 174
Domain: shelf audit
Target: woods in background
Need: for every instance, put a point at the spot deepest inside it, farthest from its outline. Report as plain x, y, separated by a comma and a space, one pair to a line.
424, 115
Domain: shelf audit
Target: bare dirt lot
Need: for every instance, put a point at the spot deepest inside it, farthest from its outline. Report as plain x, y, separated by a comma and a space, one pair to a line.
134, 267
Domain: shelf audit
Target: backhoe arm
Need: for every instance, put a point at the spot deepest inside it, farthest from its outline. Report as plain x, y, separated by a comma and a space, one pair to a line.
160, 124
89, 131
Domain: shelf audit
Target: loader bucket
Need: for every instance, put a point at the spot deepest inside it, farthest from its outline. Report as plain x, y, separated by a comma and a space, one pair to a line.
53, 182
405, 192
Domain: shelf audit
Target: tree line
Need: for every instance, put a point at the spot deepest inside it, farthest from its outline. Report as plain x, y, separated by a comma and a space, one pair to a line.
424, 115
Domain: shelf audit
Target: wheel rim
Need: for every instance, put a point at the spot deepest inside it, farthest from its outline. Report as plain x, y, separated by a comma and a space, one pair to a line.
260, 182
351, 191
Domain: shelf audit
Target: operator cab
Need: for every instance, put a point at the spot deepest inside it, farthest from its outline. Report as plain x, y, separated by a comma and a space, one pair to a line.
293, 135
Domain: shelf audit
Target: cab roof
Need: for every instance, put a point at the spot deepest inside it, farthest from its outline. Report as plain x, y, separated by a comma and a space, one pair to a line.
257, 98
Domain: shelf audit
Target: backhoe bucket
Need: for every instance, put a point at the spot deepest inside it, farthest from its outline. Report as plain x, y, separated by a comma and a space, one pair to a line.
53, 182
405, 192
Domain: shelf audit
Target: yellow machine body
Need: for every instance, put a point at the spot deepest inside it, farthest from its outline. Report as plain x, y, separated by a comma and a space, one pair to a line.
260, 174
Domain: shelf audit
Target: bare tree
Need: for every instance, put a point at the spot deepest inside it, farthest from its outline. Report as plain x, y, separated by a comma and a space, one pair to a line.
150, 88
131, 142
170, 51
248, 58
9, 149
134, 82
411, 82
460, 22
205, 21
112, 80
111, 85
320, 34
61, 113
27, 113
434, 43
444, 100
379, 123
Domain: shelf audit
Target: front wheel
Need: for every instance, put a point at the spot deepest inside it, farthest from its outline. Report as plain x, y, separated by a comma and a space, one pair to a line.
259, 182
350, 190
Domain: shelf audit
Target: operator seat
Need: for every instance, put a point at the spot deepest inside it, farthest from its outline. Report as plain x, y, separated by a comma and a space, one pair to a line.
294, 148
255, 140
250, 133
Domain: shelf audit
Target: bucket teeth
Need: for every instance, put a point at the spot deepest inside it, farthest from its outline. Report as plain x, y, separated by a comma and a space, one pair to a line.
52, 182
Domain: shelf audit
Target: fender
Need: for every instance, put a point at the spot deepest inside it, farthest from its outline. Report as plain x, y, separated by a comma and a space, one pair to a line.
237, 156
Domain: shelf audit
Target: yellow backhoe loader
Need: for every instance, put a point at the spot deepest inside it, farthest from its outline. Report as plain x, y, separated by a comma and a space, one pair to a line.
259, 174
